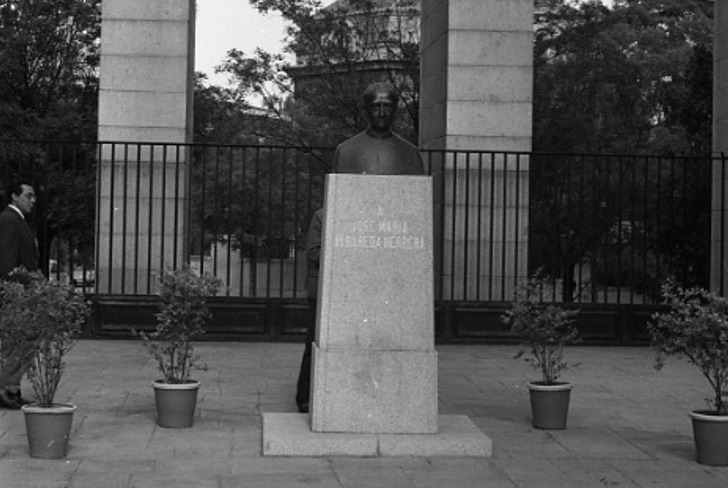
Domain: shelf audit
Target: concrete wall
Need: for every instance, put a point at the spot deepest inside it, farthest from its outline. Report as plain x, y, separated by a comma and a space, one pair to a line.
147, 63
477, 92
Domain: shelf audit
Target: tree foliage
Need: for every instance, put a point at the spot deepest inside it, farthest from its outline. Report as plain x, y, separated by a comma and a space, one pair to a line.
254, 198
636, 78
49, 78
49, 54
246, 197
339, 51
633, 79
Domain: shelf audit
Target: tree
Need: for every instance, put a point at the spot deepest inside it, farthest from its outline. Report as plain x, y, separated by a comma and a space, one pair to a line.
221, 118
340, 50
48, 92
251, 197
622, 79
49, 81
254, 198
634, 79
259, 199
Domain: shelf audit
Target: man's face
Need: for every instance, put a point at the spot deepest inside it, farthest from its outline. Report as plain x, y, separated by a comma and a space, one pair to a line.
26, 200
381, 110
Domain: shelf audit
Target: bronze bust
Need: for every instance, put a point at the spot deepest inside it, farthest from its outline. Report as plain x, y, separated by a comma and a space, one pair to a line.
378, 150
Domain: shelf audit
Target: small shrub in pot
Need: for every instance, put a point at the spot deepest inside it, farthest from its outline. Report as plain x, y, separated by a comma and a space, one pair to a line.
545, 329
183, 313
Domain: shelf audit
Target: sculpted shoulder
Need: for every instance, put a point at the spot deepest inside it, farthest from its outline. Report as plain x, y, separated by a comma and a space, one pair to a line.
406, 145
354, 143
390, 155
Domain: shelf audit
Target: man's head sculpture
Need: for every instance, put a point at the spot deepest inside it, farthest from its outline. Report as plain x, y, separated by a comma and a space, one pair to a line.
380, 104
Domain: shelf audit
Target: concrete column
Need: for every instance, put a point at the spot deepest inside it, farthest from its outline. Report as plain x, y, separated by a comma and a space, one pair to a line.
147, 63
719, 232
477, 92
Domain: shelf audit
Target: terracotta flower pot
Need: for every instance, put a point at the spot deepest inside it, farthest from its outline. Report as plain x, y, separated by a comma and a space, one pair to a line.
710, 432
549, 404
175, 403
48, 429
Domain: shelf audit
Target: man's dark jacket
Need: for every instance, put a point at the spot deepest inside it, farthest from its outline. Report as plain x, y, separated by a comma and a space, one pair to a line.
17, 244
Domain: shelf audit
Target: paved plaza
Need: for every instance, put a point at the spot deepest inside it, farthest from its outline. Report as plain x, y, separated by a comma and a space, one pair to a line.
628, 425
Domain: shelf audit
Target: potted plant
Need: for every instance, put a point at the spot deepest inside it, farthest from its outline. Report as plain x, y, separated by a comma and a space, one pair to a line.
183, 313
44, 319
695, 327
545, 329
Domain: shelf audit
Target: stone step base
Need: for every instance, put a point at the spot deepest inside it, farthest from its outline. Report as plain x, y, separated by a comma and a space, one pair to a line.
290, 434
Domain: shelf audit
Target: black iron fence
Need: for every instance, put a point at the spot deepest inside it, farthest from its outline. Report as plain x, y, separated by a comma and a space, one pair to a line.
612, 229
606, 228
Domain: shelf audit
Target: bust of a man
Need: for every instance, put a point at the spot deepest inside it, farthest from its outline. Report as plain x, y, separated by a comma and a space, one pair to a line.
378, 150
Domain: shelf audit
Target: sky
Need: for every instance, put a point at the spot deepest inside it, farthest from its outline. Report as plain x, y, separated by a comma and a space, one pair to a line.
225, 24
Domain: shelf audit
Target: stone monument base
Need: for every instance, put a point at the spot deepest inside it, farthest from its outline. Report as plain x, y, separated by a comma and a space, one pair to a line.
290, 434
374, 392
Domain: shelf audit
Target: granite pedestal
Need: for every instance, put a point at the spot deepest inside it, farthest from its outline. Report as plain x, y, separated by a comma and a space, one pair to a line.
374, 381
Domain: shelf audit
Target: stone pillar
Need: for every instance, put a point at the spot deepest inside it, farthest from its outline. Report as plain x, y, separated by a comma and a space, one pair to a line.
719, 233
477, 92
145, 96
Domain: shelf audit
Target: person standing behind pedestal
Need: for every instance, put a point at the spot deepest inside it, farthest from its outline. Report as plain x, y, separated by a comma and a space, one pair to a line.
17, 248
375, 151
313, 257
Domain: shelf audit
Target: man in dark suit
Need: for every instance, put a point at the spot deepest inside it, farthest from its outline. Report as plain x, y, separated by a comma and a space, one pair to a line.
17, 248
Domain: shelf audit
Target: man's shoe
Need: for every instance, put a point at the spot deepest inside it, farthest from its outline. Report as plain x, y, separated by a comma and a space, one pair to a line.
303, 407
8, 401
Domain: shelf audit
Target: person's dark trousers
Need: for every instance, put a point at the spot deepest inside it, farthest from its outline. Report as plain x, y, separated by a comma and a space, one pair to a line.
303, 390
14, 360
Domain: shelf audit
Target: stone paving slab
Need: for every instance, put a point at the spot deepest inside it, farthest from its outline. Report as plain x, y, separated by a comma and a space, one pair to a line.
628, 425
